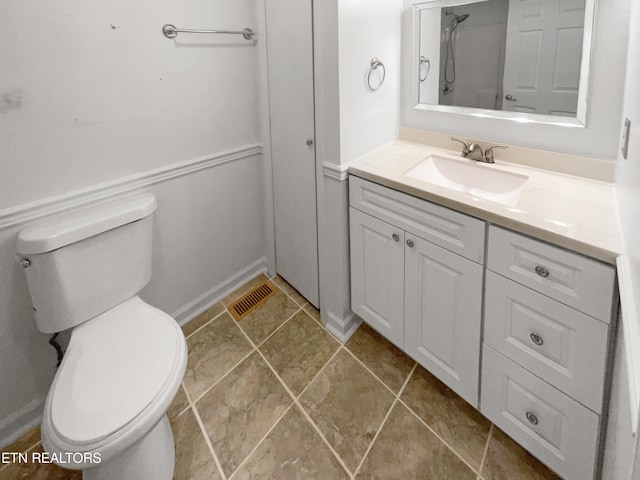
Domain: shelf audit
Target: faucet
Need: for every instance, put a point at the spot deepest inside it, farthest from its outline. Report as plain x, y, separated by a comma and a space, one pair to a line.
474, 151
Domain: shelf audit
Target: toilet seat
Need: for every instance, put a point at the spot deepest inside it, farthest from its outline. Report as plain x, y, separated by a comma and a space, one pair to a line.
119, 375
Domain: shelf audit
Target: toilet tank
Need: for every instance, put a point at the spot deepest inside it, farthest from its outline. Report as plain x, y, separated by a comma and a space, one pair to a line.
81, 264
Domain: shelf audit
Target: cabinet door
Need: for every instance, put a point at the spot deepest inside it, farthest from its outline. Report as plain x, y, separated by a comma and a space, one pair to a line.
443, 304
377, 274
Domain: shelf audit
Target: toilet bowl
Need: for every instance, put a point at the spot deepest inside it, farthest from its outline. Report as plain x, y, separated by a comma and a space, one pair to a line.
120, 373
106, 409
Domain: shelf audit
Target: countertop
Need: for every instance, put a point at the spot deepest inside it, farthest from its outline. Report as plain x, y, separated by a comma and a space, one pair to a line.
572, 212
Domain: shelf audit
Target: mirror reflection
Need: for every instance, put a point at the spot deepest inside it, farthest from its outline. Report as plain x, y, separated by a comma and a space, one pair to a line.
510, 55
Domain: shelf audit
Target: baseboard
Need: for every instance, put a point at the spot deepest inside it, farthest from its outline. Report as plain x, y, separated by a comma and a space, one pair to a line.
18, 423
217, 293
342, 328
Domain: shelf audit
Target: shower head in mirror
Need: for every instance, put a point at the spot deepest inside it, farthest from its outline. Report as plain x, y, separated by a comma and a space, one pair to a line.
457, 19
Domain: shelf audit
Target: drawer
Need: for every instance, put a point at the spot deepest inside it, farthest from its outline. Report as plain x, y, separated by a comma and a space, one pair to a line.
573, 279
553, 427
562, 346
447, 228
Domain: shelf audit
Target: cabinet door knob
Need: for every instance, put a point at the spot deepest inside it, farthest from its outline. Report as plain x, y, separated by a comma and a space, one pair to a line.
537, 339
533, 419
543, 272
396, 237
309, 142
410, 243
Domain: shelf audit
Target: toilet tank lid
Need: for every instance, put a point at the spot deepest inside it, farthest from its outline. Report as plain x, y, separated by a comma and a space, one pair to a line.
72, 227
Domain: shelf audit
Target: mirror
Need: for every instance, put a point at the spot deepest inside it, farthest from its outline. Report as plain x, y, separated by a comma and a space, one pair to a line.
526, 60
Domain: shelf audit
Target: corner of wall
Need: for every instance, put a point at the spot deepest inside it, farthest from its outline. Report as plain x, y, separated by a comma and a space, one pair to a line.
342, 328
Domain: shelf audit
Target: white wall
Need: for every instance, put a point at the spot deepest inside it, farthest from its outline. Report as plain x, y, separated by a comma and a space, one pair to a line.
333, 248
620, 444
628, 171
93, 93
599, 139
350, 120
368, 119
622, 448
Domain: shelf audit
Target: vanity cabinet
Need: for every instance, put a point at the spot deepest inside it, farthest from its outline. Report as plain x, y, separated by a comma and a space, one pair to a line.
547, 329
424, 297
420, 277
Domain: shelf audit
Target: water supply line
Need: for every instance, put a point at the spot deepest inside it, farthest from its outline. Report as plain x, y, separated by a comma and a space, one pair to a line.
56, 345
26, 263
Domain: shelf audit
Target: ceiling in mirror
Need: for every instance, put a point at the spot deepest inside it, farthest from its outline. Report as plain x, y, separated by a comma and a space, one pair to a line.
521, 59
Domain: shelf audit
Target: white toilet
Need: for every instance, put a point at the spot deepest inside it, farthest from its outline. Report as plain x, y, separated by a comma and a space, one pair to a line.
125, 359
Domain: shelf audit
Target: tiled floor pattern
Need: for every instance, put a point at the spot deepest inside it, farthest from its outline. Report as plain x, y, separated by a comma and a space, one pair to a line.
275, 396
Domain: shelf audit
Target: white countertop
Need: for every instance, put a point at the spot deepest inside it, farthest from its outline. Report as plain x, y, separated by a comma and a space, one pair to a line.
573, 212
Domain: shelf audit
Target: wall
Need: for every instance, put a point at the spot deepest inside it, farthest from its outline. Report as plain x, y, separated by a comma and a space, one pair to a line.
620, 444
628, 171
622, 447
96, 102
330, 176
350, 121
366, 30
599, 139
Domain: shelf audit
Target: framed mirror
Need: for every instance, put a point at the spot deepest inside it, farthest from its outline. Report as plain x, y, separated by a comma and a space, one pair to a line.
525, 60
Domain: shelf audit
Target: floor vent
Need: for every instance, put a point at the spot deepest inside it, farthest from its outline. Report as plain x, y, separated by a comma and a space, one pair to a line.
251, 300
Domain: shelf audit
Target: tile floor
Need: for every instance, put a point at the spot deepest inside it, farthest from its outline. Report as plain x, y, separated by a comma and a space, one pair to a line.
275, 396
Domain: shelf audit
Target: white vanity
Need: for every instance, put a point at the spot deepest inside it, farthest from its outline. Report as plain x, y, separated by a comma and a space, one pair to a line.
416, 277
513, 306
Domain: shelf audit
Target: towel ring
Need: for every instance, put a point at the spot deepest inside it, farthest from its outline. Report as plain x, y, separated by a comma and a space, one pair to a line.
375, 63
424, 61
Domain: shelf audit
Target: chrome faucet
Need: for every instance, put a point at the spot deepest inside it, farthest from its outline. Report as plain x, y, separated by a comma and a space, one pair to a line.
488, 153
474, 151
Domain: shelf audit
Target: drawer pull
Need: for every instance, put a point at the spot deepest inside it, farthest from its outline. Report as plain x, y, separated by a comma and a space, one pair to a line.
396, 237
533, 419
543, 272
537, 339
410, 243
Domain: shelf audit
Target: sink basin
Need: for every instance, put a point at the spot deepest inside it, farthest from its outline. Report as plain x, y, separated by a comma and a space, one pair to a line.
478, 180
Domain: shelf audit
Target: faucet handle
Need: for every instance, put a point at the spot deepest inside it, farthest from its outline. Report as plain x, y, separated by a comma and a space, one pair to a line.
465, 151
488, 154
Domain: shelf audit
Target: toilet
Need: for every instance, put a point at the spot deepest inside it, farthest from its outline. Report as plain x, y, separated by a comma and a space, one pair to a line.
105, 413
